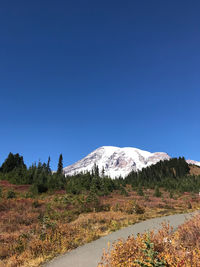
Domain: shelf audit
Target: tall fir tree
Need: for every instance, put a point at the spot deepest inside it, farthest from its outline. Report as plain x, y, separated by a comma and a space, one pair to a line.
102, 172
48, 165
95, 170
60, 164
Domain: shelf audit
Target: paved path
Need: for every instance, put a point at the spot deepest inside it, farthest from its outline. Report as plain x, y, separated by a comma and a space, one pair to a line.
89, 255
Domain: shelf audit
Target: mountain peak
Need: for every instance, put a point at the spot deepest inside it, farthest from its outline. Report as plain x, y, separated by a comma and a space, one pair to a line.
116, 161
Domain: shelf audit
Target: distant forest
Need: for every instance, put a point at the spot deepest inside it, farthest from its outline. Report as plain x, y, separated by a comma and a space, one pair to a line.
172, 175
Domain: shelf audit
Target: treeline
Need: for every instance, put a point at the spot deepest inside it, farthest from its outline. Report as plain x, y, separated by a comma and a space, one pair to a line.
173, 175
42, 179
38, 175
94, 182
170, 174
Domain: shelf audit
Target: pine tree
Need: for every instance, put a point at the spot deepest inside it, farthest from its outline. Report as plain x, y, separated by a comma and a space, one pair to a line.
103, 172
12, 162
48, 165
60, 164
95, 170
92, 198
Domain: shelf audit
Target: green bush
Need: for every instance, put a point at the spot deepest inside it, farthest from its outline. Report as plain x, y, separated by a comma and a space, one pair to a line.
152, 256
140, 191
157, 192
11, 194
36, 204
123, 192
171, 195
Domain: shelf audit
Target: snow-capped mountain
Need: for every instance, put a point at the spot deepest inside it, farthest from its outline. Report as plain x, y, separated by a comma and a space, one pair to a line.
193, 162
116, 161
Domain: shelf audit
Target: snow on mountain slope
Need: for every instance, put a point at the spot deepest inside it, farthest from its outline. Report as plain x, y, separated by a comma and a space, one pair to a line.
116, 161
193, 162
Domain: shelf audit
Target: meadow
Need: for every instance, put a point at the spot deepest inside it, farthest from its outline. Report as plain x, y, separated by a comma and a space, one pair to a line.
36, 228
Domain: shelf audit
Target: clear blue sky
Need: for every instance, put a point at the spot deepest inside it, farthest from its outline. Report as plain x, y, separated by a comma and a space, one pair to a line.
76, 75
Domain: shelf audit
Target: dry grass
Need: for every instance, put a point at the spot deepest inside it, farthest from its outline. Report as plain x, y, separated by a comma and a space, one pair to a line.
35, 230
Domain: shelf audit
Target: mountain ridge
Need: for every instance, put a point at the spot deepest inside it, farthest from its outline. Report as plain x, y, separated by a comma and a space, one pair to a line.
116, 161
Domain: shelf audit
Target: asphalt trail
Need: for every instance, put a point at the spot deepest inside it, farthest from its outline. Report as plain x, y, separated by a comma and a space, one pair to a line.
89, 255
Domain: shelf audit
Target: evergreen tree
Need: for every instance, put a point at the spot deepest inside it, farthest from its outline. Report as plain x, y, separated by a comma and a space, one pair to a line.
48, 165
12, 162
92, 199
103, 172
60, 164
95, 170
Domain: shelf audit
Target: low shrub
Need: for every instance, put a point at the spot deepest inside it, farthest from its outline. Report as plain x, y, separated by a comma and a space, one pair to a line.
157, 192
132, 207
11, 194
164, 248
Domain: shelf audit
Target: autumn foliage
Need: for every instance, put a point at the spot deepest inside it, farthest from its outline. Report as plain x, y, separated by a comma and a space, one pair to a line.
34, 229
165, 248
